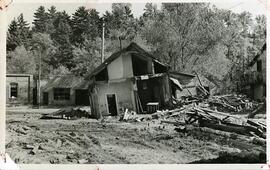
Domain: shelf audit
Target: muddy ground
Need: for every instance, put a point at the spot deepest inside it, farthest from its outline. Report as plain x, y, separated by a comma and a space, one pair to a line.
34, 140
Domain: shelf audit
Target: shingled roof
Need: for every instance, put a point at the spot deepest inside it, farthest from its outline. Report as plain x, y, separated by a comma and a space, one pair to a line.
132, 48
66, 81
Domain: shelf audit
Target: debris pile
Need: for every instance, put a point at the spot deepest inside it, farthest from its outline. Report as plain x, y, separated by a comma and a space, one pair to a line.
70, 113
232, 103
207, 113
199, 115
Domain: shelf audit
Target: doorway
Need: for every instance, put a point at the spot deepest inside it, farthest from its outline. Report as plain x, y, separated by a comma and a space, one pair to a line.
45, 98
111, 103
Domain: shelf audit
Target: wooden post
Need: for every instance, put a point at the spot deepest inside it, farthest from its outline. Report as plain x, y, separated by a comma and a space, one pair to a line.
103, 40
39, 74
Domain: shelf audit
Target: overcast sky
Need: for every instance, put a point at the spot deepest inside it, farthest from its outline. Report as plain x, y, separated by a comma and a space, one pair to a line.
255, 7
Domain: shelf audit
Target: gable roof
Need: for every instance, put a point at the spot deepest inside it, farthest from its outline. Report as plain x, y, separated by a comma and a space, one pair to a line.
257, 56
183, 78
132, 48
66, 81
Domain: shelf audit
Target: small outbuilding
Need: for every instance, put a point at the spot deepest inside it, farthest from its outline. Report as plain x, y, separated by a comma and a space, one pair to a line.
19, 89
65, 90
192, 84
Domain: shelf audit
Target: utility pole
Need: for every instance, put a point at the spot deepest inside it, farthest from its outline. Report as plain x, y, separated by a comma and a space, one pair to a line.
39, 74
103, 40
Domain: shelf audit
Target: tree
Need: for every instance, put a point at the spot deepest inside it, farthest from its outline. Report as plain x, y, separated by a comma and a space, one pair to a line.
79, 25
51, 15
18, 33
44, 50
183, 33
94, 25
21, 61
61, 37
259, 33
88, 58
41, 21
24, 30
150, 11
13, 36
121, 24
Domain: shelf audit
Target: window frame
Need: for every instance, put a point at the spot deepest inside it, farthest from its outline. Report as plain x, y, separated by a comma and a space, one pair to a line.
11, 85
61, 94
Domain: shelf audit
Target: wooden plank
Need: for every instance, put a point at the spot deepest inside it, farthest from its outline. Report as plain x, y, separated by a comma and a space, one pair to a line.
221, 113
226, 128
173, 122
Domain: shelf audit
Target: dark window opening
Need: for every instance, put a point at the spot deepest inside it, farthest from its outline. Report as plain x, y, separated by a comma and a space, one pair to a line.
140, 66
259, 65
13, 90
159, 68
103, 75
61, 93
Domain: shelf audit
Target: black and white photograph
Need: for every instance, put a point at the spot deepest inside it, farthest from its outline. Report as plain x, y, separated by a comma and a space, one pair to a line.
136, 83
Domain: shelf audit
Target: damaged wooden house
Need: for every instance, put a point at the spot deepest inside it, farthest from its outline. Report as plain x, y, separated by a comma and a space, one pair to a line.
133, 79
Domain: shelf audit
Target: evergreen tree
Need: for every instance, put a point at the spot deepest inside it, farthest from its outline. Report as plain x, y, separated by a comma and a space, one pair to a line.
41, 20
79, 25
24, 31
52, 15
121, 24
61, 37
13, 36
18, 33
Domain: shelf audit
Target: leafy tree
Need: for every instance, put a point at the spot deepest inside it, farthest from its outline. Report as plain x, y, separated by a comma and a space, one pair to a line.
94, 25
183, 32
259, 33
44, 50
88, 58
21, 61
61, 70
150, 11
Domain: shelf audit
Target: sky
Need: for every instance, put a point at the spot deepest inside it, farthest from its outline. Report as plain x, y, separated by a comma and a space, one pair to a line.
255, 7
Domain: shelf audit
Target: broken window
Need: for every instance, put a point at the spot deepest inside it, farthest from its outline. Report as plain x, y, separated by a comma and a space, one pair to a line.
102, 75
140, 66
13, 90
61, 93
159, 68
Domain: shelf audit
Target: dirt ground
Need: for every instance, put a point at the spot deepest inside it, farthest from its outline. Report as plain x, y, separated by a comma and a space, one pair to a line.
34, 140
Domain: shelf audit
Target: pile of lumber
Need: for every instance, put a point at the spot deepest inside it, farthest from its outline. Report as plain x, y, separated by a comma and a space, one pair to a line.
205, 117
69, 113
232, 102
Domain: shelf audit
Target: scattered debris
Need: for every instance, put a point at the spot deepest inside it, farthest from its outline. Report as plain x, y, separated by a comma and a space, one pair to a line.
70, 113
